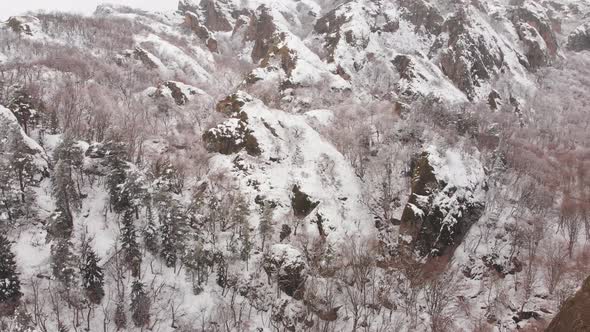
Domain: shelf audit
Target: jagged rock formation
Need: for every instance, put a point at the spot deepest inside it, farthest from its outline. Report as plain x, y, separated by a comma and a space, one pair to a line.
280, 184
579, 39
446, 200
17, 146
535, 30
287, 265
179, 92
574, 314
27, 25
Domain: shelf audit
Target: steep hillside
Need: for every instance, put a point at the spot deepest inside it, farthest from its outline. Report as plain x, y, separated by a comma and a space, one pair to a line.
296, 165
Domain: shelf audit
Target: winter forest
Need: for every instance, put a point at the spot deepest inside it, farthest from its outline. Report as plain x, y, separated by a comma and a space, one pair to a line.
297, 165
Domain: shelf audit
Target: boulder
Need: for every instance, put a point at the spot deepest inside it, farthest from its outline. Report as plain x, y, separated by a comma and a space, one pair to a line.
192, 22
231, 137
26, 25
179, 92
446, 199
301, 203
575, 312
286, 265
579, 39
291, 315
215, 14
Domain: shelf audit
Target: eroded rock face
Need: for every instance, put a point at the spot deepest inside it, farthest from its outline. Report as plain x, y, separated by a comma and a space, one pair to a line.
302, 204
23, 24
139, 54
214, 17
262, 31
422, 14
579, 39
575, 312
535, 30
446, 200
191, 21
469, 57
14, 142
179, 92
329, 25
287, 265
231, 137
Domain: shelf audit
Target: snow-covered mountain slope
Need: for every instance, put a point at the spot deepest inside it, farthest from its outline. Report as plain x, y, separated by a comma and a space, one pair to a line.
295, 165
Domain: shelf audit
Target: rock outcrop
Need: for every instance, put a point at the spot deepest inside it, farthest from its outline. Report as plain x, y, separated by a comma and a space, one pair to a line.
534, 28
468, 57
192, 22
287, 265
179, 92
446, 200
231, 137
18, 148
579, 39
423, 15
26, 25
574, 315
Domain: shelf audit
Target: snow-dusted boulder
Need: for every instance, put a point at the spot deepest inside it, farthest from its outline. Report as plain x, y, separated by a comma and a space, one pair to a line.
13, 139
446, 199
143, 56
192, 22
579, 39
287, 265
215, 15
179, 92
27, 25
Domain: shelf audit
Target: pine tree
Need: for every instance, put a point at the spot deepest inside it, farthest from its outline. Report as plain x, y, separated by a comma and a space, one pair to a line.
68, 159
60, 225
173, 230
118, 167
120, 316
9, 281
150, 233
129, 245
93, 278
140, 304
23, 108
64, 262
168, 250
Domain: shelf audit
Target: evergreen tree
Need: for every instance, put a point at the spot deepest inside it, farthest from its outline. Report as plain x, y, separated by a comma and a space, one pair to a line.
129, 245
93, 278
140, 304
168, 178
68, 160
60, 225
150, 233
22, 106
9, 281
64, 262
173, 230
116, 161
265, 226
120, 316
